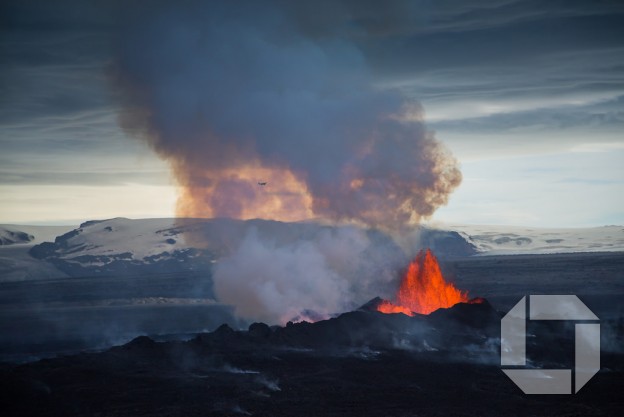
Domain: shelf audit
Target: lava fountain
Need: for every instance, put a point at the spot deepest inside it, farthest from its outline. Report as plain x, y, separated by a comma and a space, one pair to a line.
423, 289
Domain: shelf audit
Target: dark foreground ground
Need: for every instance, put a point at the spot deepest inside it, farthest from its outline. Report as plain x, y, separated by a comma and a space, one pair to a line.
46, 317
290, 383
360, 364
596, 277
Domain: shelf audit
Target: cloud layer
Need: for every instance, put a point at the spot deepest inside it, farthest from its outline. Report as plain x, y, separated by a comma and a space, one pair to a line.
498, 79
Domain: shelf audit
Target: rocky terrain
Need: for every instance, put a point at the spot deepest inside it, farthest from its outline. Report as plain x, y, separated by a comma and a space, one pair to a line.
65, 303
360, 363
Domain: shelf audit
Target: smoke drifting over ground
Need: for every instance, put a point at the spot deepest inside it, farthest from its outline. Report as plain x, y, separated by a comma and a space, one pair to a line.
233, 94
306, 279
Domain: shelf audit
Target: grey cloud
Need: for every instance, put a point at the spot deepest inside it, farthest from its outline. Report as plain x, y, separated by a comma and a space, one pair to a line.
583, 71
604, 116
403, 18
519, 45
87, 177
221, 84
45, 16
454, 16
55, 100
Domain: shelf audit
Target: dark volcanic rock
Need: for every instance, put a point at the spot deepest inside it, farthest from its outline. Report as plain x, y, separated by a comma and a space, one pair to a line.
367, 327
372, 304
259, 330
361, 363
478, 313
140, 343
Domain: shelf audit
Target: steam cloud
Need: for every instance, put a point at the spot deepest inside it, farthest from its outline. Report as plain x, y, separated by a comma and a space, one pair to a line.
329, 271
236, 93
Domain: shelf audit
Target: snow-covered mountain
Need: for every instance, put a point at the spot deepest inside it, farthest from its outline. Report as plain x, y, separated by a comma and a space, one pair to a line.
165, 245
122, 245
22, 234
15, 262
10, 236
143, 246
502, 240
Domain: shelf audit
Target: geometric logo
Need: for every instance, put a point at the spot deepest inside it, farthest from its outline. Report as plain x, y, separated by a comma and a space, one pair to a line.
586, 344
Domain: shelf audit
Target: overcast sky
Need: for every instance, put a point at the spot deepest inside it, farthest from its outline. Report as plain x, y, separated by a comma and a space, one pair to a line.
528, 95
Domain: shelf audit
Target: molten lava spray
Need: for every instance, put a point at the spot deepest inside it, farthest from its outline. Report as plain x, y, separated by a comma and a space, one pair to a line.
423, 289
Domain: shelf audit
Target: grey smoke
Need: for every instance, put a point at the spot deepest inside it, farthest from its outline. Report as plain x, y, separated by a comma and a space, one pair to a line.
333, 271
214, 85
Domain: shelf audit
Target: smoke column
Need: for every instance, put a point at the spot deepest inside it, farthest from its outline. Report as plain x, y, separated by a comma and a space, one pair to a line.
236, 93
326, 271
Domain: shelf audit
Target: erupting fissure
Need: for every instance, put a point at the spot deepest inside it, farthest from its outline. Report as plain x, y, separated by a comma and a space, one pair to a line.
423, 289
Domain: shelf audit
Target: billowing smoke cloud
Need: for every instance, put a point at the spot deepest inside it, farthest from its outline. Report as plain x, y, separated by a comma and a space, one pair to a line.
323, 272
234, 94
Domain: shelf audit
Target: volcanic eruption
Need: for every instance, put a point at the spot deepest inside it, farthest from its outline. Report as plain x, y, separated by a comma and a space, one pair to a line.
235, 97
423, 289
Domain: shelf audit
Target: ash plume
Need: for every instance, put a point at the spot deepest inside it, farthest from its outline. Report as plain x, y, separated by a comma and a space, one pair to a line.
237, 94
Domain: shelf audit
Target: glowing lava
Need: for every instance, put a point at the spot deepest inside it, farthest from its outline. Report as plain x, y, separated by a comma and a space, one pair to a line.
423, 289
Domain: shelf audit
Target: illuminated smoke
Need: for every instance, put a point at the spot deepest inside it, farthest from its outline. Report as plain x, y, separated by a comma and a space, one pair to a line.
232, 94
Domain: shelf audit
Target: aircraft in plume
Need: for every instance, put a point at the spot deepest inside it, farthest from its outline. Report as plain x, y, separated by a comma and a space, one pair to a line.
263, 183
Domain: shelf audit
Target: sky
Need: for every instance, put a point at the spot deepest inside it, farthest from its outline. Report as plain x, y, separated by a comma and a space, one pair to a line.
527, 95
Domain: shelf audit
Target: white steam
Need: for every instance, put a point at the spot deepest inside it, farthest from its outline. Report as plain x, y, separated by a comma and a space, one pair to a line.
329, 272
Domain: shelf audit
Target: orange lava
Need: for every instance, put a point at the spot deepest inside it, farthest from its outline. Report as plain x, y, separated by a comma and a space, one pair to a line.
423, 289
389, 308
